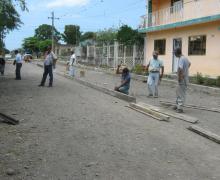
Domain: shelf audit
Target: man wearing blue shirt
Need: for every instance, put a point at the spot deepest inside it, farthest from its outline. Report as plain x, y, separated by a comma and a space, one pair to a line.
18, 63
154, 67
125, 82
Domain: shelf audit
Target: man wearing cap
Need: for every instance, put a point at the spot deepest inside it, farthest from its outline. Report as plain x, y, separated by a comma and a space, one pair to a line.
156, 69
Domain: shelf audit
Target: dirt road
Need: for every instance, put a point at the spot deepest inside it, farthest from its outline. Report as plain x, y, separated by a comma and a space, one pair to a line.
71, 132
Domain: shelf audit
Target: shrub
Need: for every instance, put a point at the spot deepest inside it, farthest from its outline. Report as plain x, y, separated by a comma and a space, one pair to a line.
209, 81
218, 81
138, 69
198, 78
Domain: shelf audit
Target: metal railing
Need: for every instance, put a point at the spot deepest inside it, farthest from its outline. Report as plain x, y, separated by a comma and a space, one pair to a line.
181, 11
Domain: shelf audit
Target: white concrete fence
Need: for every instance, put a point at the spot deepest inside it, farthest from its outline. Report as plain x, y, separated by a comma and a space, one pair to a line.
113, 55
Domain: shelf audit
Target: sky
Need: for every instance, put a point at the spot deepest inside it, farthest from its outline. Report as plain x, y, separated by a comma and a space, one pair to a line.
90, 15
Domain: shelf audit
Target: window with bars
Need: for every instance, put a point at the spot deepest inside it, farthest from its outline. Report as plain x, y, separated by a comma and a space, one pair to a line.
160, 46
197, 45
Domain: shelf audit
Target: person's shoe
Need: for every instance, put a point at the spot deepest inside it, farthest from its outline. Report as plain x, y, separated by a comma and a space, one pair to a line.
40, 85
179, 111
174, 108
150, 95
50, 85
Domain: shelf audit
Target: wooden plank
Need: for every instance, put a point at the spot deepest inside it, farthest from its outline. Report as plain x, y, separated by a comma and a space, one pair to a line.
170, 113
159, 115
157, 118
192, 106
8, 119
205, 133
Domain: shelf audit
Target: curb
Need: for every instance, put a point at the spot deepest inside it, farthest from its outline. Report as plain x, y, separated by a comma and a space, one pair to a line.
104, 90
193, 87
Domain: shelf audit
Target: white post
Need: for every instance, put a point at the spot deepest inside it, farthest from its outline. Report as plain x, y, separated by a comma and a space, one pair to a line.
134, 54
115, 54
145, 51
124, 54
94, 54
108, 54
87, 53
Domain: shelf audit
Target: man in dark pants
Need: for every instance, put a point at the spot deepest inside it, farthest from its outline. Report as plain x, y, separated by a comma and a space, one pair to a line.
48, 67
18, 63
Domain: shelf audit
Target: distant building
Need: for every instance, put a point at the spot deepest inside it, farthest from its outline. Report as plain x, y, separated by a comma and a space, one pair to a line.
193, 25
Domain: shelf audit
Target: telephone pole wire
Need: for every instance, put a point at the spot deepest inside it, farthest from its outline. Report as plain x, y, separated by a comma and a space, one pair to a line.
53, 28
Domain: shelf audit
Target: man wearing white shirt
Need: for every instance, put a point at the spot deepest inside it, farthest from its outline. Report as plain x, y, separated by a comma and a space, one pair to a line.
71, 63
18, 63
183, 80
49, 62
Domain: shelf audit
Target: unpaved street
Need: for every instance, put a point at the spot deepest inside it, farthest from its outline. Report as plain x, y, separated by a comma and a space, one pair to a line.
72, 132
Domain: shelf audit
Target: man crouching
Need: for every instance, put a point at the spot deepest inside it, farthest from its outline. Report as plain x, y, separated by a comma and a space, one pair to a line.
125, 82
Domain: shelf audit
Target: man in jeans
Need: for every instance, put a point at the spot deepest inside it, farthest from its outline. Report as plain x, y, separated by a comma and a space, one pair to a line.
154, 67
18, 63
183, 79
50, 58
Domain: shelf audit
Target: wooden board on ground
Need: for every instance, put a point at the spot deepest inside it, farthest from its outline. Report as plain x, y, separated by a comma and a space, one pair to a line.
192, 106
205, 133
158, 115
8, 119
183, 117
145, 113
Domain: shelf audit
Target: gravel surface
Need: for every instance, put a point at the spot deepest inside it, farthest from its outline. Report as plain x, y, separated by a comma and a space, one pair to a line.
73, 132
167, 92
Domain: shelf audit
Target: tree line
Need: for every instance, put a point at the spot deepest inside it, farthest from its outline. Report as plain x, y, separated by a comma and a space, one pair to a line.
73, 36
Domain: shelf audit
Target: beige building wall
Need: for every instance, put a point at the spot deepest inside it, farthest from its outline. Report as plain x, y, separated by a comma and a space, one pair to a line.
208, 64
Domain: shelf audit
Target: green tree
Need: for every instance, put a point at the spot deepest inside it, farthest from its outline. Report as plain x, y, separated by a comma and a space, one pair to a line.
44, 44
126, 35
31, 44
88, 36
106, 36
71, 34
44, 32
9, 17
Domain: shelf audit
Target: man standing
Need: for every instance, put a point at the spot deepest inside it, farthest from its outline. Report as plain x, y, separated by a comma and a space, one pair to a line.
71, 63
18, 63
183, 79
50, 58
125, 82
154, 67
2, 63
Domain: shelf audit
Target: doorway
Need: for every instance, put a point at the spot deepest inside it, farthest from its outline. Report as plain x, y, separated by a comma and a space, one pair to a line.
177, 43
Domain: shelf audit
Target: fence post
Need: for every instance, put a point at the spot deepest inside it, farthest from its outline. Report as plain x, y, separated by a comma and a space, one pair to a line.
115, 54
87, 53
108, 54
94, 55
124, 54
145, 51
134, 54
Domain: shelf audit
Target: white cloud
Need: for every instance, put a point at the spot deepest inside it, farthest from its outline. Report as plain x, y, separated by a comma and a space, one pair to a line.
67, 3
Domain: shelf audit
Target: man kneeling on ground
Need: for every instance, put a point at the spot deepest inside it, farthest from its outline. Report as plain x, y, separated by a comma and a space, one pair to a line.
125, 82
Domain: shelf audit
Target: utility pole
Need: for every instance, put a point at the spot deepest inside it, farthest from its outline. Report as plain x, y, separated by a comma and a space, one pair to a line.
53, 28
